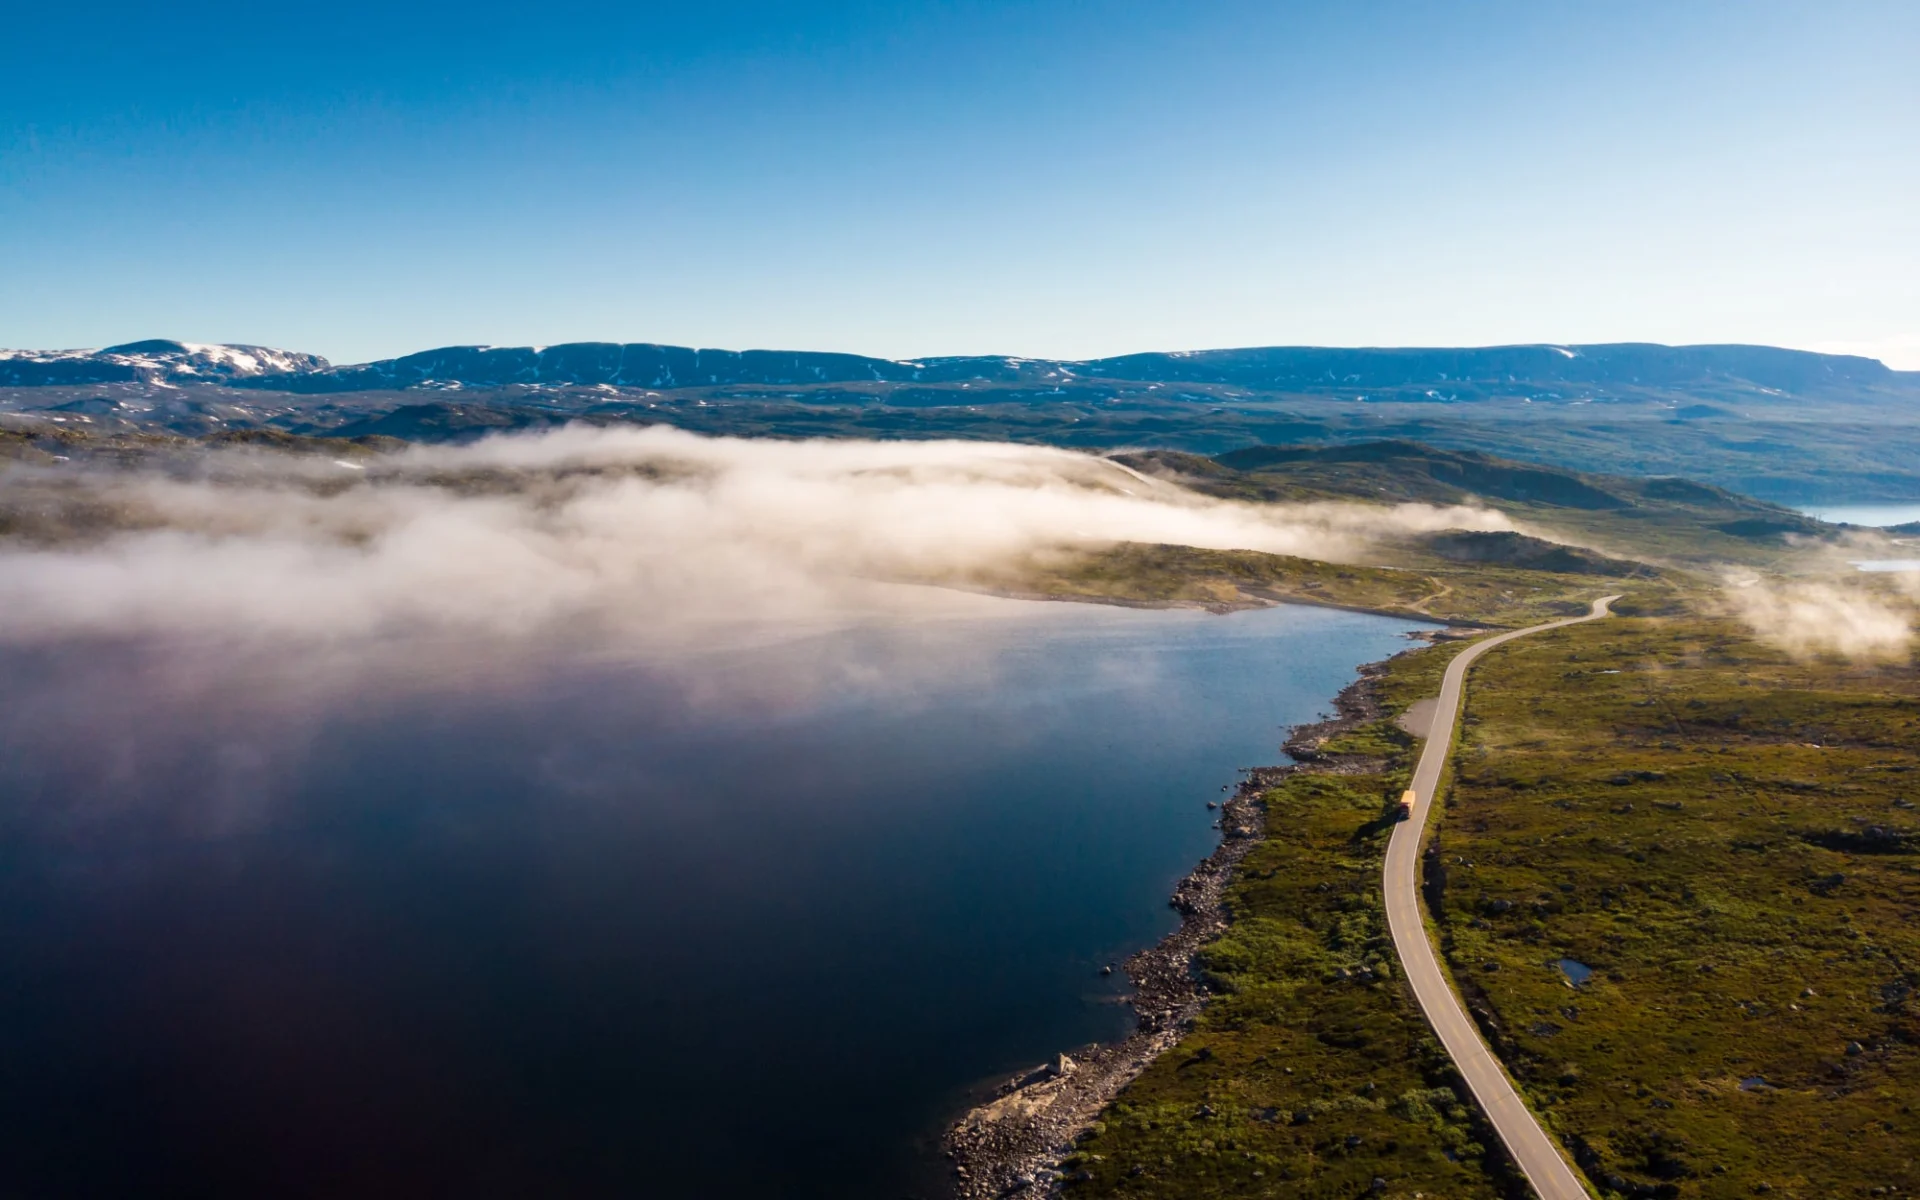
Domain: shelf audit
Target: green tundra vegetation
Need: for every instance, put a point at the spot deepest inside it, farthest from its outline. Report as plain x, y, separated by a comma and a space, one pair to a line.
1666, 533
1474, 595
1663, 520
1677, 879
1310, 1073
1728, 840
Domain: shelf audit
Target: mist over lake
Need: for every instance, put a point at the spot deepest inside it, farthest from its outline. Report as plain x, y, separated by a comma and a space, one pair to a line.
465, 920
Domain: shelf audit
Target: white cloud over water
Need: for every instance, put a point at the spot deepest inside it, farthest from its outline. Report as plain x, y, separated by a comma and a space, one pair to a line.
653, 532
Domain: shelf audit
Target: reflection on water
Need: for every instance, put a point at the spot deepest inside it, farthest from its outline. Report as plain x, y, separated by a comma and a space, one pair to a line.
747, 926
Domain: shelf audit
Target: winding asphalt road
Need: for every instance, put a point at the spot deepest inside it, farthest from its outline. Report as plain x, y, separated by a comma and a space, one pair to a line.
1545, 1167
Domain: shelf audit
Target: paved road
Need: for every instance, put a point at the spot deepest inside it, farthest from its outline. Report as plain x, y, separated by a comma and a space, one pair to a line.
1545, 1167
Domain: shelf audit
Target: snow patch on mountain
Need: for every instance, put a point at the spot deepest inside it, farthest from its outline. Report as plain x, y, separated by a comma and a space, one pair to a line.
157, 360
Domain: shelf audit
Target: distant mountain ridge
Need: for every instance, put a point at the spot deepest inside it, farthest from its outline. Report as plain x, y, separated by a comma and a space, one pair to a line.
1271, 368
154, 361
646, 365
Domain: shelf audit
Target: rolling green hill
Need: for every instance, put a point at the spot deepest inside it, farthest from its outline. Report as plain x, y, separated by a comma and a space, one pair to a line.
1635, 519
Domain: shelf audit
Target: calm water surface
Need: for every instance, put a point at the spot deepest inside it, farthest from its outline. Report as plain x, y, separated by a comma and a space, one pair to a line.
747, 927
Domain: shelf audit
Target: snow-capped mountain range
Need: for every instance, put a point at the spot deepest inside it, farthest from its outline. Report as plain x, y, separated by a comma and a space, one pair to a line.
644, 365
154, 361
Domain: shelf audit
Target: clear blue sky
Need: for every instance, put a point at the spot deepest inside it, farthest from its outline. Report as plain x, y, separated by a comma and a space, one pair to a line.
1042, 178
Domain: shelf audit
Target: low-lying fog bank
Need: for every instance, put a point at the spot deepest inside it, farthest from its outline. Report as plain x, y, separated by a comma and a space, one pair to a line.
664, 542
653, 534
1867, 620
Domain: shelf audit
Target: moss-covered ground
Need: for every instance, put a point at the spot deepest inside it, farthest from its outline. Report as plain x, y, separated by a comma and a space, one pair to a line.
1726, 838
1729, 840
1310, 1073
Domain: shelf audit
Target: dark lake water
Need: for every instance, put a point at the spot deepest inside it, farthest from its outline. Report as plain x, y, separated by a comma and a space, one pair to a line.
750, 926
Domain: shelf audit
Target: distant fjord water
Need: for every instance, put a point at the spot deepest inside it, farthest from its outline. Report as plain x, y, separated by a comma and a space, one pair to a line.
753, 926
1877, 516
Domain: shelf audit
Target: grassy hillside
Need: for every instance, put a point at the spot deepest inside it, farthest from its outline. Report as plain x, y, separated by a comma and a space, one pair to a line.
1662, 519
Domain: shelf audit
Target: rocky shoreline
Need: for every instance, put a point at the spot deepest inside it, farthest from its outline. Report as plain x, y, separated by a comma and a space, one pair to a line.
1012, 1145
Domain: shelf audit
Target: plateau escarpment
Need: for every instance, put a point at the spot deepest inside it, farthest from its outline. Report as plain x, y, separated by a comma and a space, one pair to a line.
1785, 424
